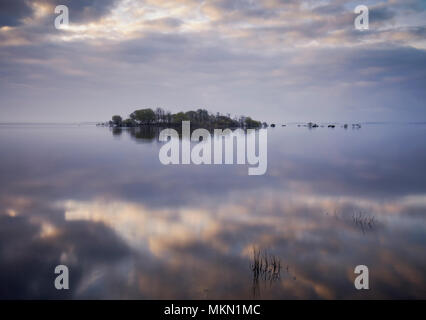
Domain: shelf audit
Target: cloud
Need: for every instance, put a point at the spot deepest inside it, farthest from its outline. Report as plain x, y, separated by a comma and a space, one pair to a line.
241, 57
14, 12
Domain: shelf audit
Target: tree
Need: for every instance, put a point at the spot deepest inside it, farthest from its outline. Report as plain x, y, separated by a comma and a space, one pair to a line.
129, 123
200, 117
203, 115
250, 123
179, 117
168, 117
143, 116
192, 116
117, 120
159, 115
242, 121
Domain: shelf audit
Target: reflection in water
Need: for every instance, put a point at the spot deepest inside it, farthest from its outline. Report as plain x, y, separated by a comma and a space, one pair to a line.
142, 134
364, 221
151, 133
266, 268
129, 227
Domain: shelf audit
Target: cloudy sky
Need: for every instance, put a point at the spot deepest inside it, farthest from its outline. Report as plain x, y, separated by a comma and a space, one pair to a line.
275, 60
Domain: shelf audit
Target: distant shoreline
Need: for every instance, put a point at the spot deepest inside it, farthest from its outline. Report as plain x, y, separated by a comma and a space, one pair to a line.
94, 123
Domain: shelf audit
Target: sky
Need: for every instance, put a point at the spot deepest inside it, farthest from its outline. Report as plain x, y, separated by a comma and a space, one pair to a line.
273, 60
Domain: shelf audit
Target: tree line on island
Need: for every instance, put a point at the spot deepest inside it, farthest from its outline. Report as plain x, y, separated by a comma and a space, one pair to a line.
198, 118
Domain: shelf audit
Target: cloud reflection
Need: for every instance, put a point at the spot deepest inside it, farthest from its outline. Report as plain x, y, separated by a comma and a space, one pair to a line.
128, 227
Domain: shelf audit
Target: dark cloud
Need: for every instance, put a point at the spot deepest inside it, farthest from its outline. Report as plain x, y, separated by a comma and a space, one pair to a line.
330, 9
12, 11
245, 8
84, 10
379, 14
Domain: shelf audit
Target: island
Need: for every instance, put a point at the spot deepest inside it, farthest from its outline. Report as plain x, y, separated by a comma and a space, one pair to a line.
199, 118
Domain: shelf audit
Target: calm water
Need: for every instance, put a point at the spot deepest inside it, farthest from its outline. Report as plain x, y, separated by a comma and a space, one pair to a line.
100, 202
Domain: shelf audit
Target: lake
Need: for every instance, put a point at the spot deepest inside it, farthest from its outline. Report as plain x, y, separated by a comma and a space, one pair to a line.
99, 201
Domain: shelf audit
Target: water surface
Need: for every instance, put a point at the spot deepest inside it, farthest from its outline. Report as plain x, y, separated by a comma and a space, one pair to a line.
99, 201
